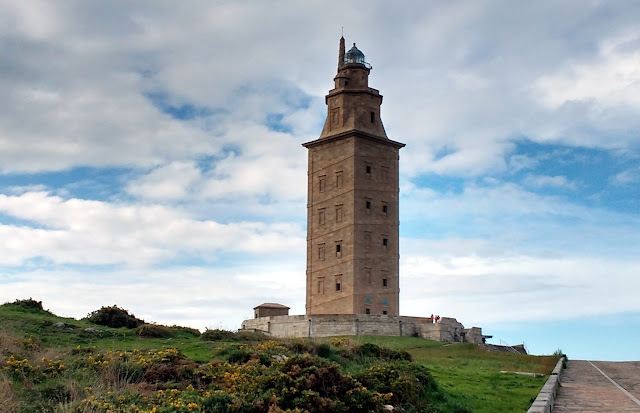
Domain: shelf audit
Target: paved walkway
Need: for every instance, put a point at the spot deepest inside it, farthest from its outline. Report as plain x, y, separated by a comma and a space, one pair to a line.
599, 386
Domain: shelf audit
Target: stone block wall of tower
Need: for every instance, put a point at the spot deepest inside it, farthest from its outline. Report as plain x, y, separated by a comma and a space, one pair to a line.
376, 222
330, 228
352, 239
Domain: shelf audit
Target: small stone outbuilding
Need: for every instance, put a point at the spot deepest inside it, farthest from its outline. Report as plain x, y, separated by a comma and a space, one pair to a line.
270, 309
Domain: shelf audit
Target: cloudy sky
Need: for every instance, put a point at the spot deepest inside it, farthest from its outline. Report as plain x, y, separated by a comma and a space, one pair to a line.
150, 157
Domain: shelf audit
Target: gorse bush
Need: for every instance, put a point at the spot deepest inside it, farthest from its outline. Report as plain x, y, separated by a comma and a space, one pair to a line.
226, 335
114, 317
370, 350
152, 330
187, 330
219, 335
28, 303
407, 383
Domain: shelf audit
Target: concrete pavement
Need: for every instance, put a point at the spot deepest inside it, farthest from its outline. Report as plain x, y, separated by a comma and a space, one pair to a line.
599, 386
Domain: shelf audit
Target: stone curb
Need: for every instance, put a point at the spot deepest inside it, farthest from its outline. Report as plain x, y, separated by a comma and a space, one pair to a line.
544, 402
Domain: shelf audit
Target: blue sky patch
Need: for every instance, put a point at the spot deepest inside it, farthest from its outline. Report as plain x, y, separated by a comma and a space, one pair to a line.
166, 103
82, 182
590, 174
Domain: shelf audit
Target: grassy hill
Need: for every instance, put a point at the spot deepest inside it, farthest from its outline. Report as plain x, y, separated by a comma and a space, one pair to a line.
54, 364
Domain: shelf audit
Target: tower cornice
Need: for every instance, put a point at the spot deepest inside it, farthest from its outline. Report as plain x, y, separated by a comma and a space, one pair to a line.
368, 91
353, 133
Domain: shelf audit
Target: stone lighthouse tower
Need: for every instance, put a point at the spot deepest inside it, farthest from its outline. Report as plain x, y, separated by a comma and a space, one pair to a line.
352, 207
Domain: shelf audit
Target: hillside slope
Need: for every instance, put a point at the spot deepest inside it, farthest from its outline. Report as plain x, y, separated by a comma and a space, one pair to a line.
49, 363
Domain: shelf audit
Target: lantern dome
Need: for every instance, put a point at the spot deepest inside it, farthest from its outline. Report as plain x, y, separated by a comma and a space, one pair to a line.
354, 55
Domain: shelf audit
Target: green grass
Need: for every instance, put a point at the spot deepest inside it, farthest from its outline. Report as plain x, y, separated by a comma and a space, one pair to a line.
472, 376
468, 378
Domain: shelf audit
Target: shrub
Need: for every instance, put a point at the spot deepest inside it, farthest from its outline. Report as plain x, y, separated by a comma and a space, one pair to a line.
120, 373
187, 330
237, 355
409, 384
28, 303
252, 336
226, 335
302, 346
154, 331
114, 317
174, 371
84, 350
218, 335
54, 392
370, 350
218, 402
316, 385
323, 350
20, 368
30, 343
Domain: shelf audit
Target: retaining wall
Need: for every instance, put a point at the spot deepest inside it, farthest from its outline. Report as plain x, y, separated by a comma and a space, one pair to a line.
447, 330
547, 396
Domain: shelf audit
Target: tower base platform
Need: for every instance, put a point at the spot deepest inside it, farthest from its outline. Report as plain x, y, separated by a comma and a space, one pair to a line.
326, 325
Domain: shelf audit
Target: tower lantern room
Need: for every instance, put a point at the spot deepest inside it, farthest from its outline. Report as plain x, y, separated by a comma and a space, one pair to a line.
354, 55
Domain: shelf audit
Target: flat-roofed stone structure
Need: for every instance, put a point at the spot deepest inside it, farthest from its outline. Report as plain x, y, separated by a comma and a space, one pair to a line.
270, 309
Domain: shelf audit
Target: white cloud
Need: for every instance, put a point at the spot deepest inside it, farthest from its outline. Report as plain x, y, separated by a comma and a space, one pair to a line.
480, 284
541, 181
188, 296
519, 162
627, 177
94, 232
170, 181
87, 84
267, 164
613, 79
76, 83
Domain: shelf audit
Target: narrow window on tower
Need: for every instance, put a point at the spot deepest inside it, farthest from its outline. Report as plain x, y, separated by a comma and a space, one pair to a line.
385, 278
339, 282
321, 252
367, 275
335, 117
385, 243
339, 249
321, 216
384, 282
367, 239
373, 117
321, 285
322, 183
338, 213
385, 209
367, 169
339, 175
367, 311
367, 206
384, 312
